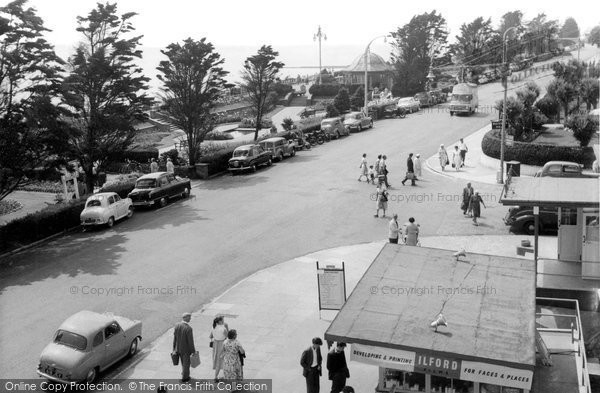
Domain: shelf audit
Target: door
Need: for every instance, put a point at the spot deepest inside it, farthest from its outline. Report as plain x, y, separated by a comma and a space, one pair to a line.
114, 344
569, 247
121, 207
590, 252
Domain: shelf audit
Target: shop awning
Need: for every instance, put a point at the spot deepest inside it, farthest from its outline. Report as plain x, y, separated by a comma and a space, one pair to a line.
552, 192
488, 302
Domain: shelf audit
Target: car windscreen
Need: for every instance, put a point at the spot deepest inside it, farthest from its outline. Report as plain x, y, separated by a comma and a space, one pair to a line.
145, 183
405, 100
240, 153
94, 203
70, 339
462, 97
327, 123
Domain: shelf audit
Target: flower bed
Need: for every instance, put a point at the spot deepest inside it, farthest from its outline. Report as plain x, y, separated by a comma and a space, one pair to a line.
8, 206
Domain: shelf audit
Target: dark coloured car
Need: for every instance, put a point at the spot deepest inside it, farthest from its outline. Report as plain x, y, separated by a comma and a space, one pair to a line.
521, 219
424, 98
249, 157
157, 188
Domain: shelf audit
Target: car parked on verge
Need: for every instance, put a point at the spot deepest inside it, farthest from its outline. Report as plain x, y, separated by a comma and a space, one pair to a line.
334, 127
279, 147
86, 344
425, 99
105, 208
563, 169
357, 121
249, 157
409, 104
157, 188
521, 219
393, 111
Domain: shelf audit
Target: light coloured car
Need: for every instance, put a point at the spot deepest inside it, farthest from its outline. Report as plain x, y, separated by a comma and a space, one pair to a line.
563, 169
86, 344
334, 127
357, 121
279, 147
409, 104
105, 208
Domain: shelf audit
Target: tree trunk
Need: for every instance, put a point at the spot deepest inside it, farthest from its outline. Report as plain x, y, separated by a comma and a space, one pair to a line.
258, 121
88, 170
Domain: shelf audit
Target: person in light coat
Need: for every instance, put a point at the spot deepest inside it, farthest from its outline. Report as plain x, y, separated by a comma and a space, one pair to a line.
443, 156
170, 166
411, 232
456, 159
417, 166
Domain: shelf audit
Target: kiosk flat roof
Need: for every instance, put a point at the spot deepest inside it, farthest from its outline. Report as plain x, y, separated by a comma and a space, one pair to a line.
552, 191
488, 302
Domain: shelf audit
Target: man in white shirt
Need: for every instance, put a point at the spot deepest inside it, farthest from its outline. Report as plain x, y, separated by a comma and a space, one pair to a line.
463, 151
394, 230
311, 365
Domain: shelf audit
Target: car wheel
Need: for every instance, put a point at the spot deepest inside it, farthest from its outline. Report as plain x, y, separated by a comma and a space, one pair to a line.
451, 113
337, 135
270, 162
359, 127
162, 202
280, 156
293, 153
185, 193
91, 375
110, 222
253, 167
371, 124
529, 228
133, 347
130, 212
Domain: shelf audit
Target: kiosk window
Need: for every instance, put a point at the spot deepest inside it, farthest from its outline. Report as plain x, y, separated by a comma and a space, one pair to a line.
488, 388
568, 216
443, 384
404, 381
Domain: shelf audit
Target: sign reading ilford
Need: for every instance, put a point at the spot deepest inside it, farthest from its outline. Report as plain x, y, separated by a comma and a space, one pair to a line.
332, 287
383, 357
442, 366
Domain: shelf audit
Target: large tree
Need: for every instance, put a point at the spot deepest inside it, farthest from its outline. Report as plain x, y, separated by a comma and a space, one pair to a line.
541, 35
193, 79
260, 73
105, 89
473, 45
594, 36
415, 47
570, 29
31, 134
563, 92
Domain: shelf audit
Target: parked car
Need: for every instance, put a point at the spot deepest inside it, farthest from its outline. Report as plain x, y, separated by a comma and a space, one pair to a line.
409, 104
279, 147
425, 99
438, 96
105, 208
157, 188
521, 219
86, 344
334, 127
249, 157
563, 169
392, 111
357, 121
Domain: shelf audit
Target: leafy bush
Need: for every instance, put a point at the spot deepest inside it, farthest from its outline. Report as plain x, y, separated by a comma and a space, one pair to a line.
218, 161
327, 90
583, 126
287, 123
549, 106
534, 153
173, 154
36, 226
341, 102
139, 154
122, 185
249, 122
217, 136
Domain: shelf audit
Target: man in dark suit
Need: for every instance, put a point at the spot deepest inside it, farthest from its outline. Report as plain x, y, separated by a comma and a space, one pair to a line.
410, 170
183, 344
337, 367
311, 365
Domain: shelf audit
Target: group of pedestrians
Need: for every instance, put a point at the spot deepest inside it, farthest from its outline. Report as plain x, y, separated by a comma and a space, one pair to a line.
227, 352
471, 203
409, 233
459, 155
337, 368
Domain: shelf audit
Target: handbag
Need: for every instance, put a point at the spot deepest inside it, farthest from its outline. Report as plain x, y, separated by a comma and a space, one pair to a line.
242, 356
410, 175
175, 358
453, 166
210, 344
195, 359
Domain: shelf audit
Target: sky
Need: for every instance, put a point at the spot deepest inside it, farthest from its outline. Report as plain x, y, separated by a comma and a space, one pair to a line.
290, 26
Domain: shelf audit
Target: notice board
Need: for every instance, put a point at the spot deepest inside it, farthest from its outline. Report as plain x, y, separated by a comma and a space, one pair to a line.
331, 282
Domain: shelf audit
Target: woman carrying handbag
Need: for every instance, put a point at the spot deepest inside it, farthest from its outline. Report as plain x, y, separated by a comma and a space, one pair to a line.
217, 338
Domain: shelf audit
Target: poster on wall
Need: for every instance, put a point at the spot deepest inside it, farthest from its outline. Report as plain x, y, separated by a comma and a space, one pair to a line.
331, 281
383, 357
496, 375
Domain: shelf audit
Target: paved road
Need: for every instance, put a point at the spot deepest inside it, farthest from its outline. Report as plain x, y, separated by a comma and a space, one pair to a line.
162, 262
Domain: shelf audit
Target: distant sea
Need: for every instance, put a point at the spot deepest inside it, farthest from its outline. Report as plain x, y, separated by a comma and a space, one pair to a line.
298, 59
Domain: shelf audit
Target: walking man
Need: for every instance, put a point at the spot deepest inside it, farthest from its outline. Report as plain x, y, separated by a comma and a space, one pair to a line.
183, 344
410, 170
394, 230
364, 170
383, 167
153, 166
466, 198
170, 166
463, 151
337, 367
310, 361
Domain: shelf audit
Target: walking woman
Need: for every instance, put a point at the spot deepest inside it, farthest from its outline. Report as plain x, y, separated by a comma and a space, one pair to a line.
233, 353
475, 207
364, 168
411, 232
381, 199
218, 336
456, 159
443, 156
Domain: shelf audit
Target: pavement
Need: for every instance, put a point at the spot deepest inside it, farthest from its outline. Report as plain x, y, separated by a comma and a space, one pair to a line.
275, 312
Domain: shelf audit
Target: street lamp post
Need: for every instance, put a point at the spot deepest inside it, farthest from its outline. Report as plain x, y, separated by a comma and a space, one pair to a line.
366, 60
319, 34
503, 133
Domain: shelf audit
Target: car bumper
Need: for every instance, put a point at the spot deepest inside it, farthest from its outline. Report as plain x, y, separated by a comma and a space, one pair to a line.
238, 168
89, 223
54, 378
143, 203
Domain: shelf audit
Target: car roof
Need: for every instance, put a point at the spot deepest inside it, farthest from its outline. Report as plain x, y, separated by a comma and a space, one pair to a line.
153, 175
406, 98
562, 163
331, 119
101, 195
86, 323
274, 139
355, 113
245, 147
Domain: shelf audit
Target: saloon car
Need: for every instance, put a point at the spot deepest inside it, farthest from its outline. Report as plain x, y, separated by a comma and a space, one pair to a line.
279, 147
520, 219
157, 188
105, 208
409, 104
86, 344
357, 121
334, 127
563, 169
249, 157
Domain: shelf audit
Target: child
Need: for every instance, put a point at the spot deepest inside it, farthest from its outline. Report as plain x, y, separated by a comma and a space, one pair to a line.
371, 174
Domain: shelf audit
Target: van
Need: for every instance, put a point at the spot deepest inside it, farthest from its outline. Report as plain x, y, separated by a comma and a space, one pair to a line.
279, 147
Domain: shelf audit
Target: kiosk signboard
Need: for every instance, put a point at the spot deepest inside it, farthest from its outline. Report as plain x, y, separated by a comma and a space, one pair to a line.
383, 357
496, 375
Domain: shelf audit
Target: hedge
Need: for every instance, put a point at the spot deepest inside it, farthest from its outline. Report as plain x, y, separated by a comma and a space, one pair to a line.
123, 186
39, 225
536, 154
218, 161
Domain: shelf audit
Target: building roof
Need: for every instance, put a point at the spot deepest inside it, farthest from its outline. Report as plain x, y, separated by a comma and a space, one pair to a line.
551, 192
376, 64
488, 302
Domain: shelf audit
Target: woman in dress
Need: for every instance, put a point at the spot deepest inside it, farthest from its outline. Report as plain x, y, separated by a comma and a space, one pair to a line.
364, 168
475, 207
381, 199
218, 336
411, 232
232, 352
456, 159
443, 156
417, 166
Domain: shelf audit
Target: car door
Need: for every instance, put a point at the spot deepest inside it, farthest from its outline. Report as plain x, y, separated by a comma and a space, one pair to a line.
98, 357
120, 207
112, 207
175, 187
114, 342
